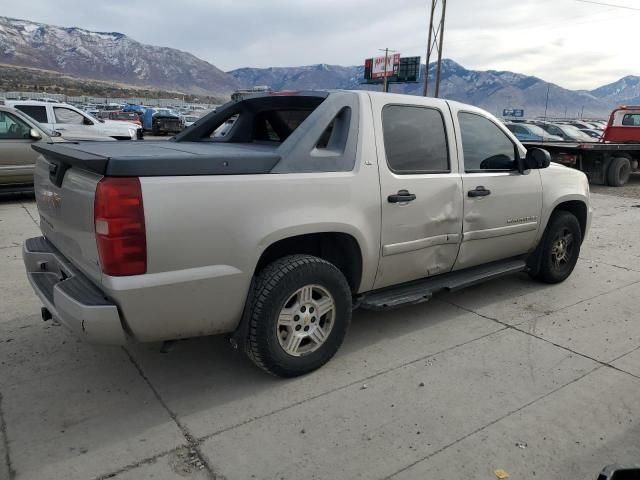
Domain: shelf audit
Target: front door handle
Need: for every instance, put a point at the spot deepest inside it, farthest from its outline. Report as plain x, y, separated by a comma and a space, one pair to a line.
479, 192
401, 197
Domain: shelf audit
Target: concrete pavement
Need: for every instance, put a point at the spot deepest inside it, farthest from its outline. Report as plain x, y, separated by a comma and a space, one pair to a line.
541, 381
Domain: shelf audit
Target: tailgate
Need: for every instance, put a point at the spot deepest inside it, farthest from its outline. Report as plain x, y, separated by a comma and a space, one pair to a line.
66, 213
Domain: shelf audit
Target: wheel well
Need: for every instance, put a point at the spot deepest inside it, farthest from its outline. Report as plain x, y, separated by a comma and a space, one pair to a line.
578, 209
340, 249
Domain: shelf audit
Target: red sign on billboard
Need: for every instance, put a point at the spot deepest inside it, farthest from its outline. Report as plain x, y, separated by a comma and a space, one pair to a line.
378, 68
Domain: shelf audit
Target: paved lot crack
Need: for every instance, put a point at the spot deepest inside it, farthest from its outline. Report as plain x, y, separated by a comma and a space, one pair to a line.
610, 265
131, 466
5, 441
564, 347
342, 387
192, 443
30, 216
512, 412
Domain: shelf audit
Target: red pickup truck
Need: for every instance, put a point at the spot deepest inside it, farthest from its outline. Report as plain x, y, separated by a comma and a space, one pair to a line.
609, 161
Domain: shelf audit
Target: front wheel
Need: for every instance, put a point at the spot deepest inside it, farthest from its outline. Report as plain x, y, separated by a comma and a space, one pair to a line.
299, 314
557, 255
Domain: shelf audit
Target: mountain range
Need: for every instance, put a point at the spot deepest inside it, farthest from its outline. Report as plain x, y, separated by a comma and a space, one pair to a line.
108, 56
115, 57
492, 90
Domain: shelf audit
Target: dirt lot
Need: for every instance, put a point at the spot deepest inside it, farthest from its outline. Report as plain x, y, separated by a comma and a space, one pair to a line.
541, 381
630, 190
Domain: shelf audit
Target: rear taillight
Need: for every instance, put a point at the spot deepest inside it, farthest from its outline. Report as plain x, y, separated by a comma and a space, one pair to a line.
119, 224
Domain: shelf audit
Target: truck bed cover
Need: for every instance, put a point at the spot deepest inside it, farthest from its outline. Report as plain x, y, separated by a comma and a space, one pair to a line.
162, 158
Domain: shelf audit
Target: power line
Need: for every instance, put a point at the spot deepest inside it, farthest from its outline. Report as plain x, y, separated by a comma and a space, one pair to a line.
609, 5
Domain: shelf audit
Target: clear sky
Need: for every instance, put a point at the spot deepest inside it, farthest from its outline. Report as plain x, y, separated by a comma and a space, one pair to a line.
568, 42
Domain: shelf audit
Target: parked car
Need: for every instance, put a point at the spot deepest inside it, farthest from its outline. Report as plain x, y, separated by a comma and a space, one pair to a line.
313, 203
61, 116
597, 134
568, 133
161, 121
527, 131
188, 120
18, 132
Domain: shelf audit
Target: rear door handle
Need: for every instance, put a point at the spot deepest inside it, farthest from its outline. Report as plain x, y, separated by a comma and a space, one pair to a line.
479, 192
401, 197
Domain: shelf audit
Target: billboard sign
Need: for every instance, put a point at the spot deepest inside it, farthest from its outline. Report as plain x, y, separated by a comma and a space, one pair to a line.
510, 112
378, 68
399, 70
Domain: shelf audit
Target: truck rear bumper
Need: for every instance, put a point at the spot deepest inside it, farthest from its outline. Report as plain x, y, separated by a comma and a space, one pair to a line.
69, 296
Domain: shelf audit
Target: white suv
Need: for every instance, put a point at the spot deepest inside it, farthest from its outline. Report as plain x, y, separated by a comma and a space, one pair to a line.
67, 118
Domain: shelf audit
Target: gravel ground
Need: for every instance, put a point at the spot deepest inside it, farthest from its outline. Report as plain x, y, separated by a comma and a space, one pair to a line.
630, 190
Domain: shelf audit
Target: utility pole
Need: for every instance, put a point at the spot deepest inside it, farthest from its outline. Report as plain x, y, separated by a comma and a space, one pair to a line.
546, 103
385, 81
435, 42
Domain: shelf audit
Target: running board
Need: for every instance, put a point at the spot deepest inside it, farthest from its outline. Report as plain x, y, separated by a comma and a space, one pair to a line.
422, 290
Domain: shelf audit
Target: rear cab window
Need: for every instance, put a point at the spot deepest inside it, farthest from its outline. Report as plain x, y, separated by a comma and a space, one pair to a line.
327, 142
631, 120
485, 147
415, 140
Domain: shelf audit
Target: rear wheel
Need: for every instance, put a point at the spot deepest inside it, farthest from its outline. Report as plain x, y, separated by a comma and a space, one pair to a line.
619, 172
557, 255
300, 312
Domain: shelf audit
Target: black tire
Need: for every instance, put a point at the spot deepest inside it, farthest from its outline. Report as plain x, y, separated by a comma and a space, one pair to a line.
619, 172
274, 286
544, 264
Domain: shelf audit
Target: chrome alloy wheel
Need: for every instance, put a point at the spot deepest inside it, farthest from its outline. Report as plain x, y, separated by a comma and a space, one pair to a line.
562, 249
306, 320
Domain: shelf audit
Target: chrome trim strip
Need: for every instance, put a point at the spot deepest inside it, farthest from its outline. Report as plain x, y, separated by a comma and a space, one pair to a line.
404, 247
499, 231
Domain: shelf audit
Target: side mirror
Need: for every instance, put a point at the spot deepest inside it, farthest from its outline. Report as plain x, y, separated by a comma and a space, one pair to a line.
537, 158
87, 121
34, 134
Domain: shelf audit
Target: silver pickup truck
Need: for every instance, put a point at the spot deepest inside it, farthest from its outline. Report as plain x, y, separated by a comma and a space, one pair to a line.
273, 230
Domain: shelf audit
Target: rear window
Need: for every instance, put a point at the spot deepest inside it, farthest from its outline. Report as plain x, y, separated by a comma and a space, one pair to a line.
631, 120
277, 125
269, 126
37, 112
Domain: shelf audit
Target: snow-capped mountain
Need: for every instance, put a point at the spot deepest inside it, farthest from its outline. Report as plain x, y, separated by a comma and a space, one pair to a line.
492, 90
624, 91
107, 56
115, 57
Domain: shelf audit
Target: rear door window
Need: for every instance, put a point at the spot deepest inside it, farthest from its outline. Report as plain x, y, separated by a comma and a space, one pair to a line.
37, 112
415, 139
485, 146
